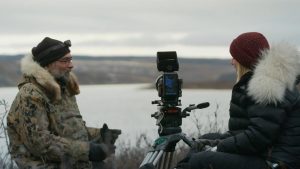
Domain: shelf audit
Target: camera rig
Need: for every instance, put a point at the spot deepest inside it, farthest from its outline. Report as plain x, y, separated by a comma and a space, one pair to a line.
168, 86
169, 115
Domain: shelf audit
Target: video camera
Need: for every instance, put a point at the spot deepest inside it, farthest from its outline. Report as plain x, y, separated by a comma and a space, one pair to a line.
169, 115
168, 85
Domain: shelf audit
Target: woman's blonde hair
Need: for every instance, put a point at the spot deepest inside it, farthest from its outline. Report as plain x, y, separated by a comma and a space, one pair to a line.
240, 71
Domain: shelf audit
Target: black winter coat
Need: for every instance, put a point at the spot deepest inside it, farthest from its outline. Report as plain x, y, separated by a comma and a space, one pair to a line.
269, 100
238, 116
238, 120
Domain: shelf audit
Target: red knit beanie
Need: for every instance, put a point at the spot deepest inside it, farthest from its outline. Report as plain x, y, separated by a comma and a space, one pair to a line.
247, 47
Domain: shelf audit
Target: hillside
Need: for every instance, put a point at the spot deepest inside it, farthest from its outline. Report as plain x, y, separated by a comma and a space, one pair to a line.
196, 73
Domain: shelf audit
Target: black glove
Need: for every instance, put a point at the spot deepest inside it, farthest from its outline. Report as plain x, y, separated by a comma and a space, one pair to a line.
109, 136
99, 152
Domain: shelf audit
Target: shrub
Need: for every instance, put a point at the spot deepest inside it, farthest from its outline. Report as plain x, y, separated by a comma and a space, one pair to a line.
5, 159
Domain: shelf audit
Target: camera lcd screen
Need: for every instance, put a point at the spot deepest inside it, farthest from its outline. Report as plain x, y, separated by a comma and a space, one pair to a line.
170, 84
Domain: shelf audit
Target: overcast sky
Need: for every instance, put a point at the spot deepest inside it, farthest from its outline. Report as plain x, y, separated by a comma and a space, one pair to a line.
194, 28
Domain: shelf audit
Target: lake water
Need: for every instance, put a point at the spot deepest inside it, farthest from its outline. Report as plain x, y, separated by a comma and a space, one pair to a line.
128, 107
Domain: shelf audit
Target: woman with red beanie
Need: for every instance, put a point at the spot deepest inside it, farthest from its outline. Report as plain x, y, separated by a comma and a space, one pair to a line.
264, 124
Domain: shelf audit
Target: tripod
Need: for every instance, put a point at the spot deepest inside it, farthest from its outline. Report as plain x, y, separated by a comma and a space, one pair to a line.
161, 156
163, 151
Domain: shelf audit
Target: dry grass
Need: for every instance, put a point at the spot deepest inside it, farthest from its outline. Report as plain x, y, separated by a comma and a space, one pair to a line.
5, 160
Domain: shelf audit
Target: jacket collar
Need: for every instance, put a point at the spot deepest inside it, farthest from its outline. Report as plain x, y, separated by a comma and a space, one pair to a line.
275, 72
32, 69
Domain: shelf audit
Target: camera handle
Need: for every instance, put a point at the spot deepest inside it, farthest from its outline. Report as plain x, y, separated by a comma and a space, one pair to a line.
161, 156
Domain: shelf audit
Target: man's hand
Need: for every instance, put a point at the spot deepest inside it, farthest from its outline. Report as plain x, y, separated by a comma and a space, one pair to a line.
109, 136
99, 152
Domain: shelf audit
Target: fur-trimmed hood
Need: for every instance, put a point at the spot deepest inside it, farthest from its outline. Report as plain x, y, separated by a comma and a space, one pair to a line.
275, 72
30, 68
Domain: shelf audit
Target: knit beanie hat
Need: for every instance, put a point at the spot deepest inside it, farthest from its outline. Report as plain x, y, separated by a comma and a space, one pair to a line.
50, 50
247, 48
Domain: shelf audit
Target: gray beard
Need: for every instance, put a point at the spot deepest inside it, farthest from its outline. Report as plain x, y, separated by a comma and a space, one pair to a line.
64, 77
61, 77
63, 80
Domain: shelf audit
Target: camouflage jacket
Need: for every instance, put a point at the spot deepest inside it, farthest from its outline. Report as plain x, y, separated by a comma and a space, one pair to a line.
45, 127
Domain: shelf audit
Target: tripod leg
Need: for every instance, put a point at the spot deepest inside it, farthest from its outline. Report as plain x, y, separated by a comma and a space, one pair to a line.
170, 159
153, 156
157, 159
162, 162
166, 160
147, 158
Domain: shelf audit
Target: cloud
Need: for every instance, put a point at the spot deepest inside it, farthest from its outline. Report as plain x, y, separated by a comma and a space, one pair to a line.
145, 24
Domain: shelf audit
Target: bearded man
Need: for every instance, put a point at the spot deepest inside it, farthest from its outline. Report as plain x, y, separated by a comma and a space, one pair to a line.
45, 127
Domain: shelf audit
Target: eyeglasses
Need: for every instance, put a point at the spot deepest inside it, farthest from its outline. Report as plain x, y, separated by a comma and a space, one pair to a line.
65, 60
